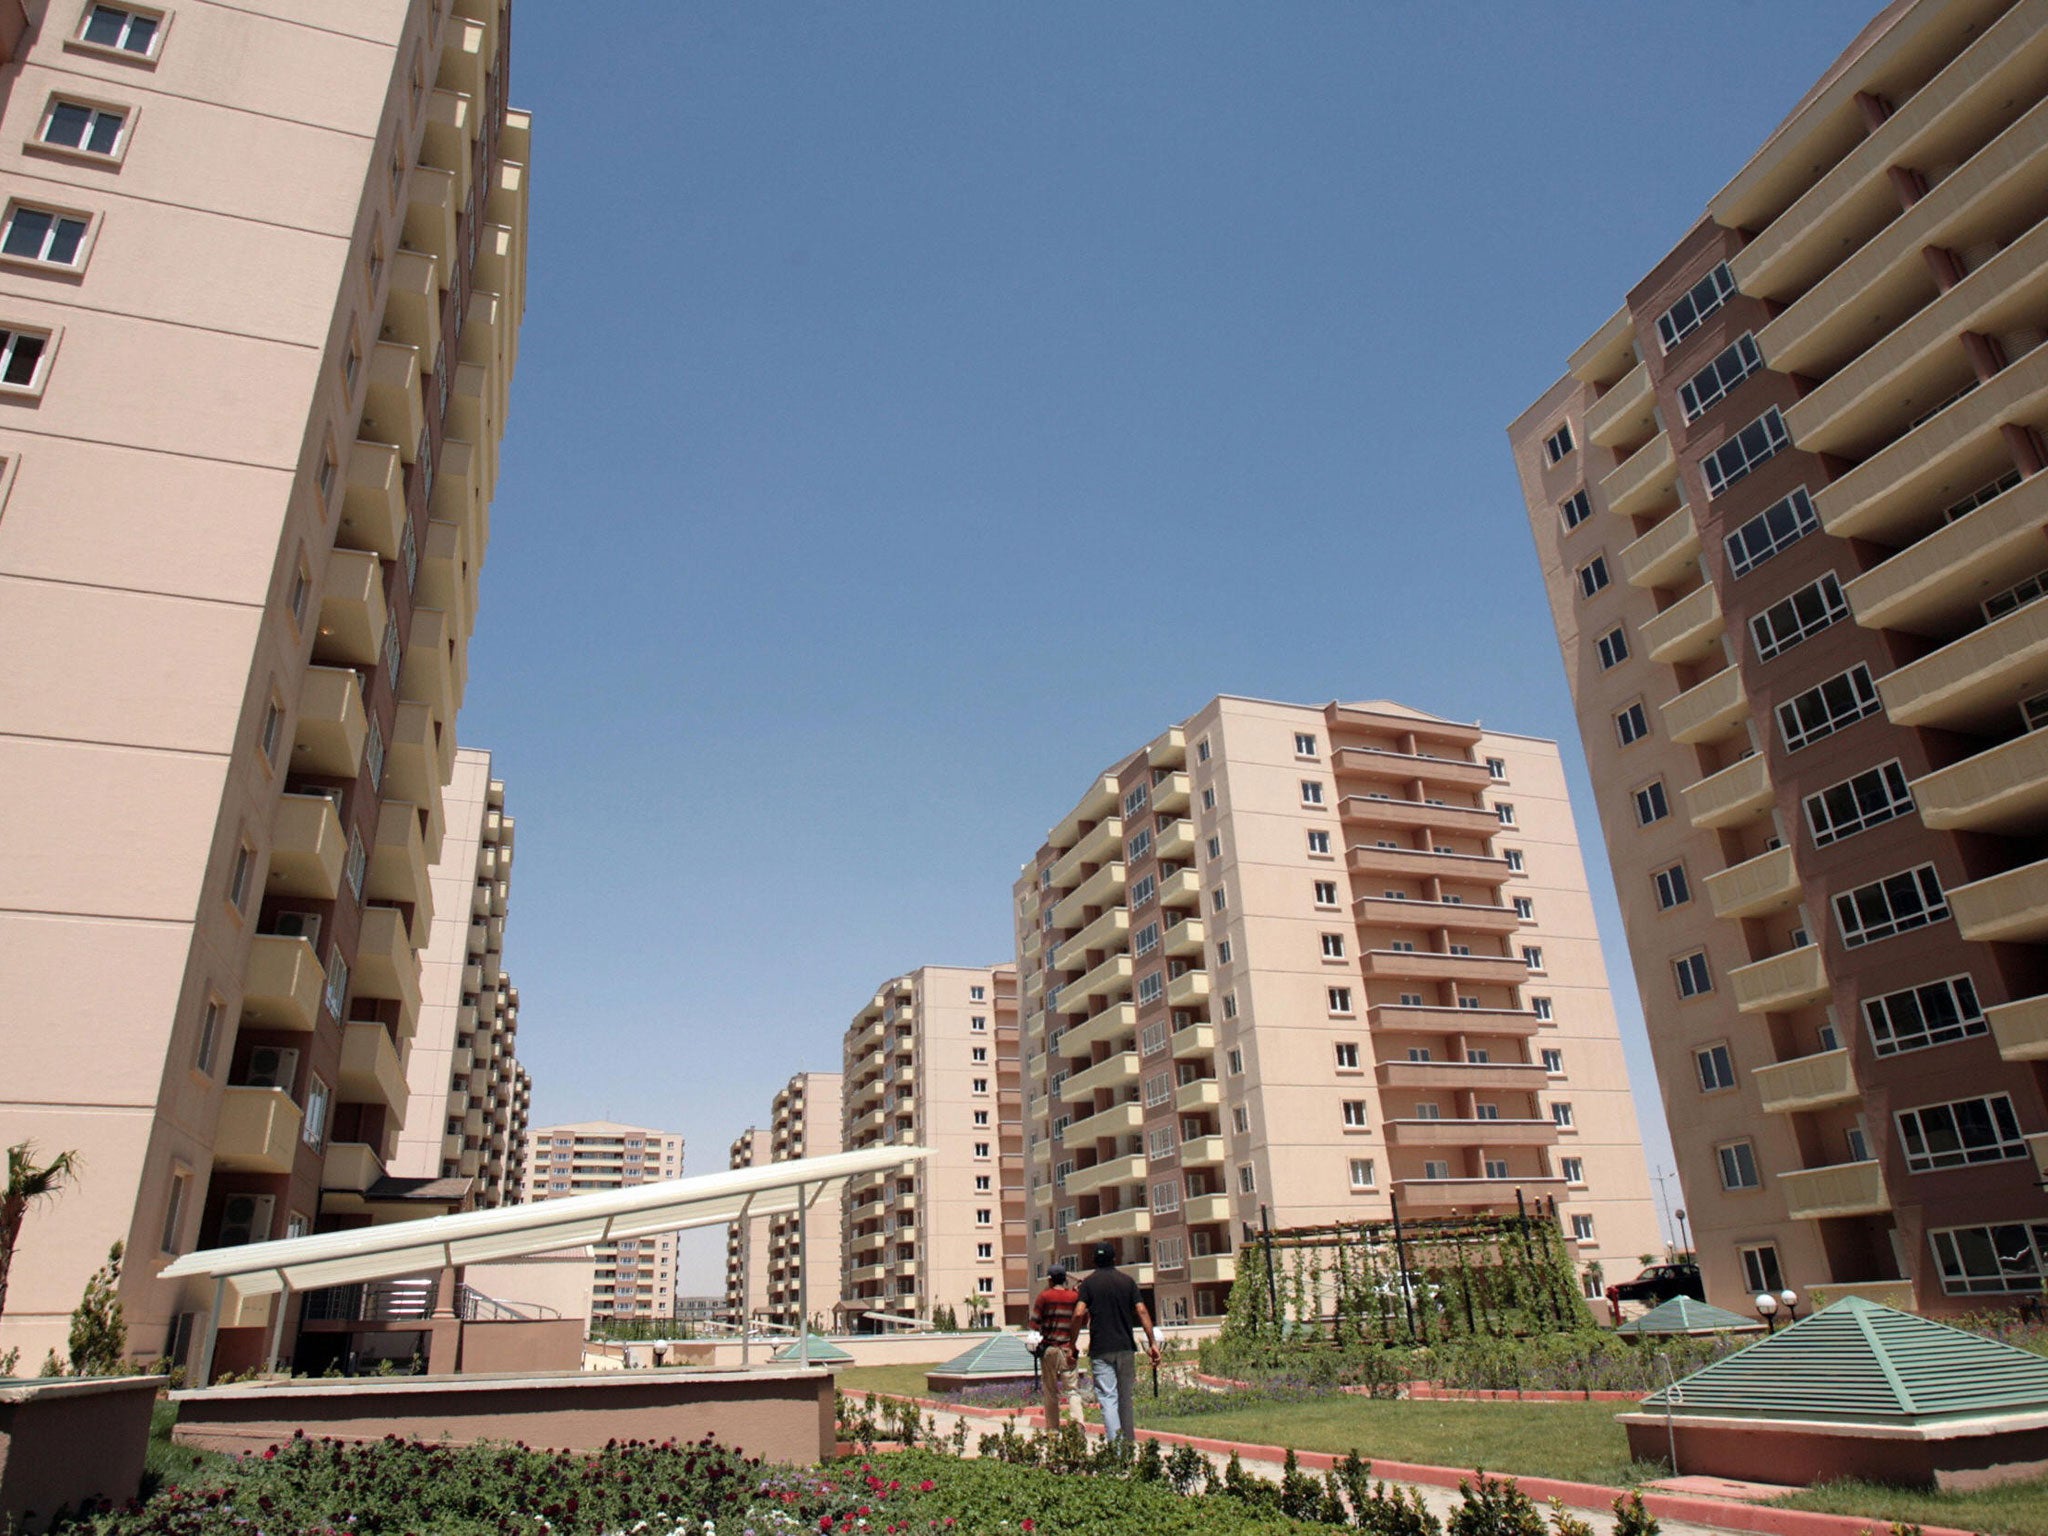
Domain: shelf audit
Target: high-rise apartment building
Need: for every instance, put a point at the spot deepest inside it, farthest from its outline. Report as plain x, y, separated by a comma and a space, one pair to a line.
932, 1061
1302, 963
260, 286
469, 1095
746, 1242
1789, 510
804, 1275
630, 1277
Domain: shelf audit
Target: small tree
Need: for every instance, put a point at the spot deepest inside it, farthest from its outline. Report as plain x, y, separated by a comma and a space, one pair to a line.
26, 1184
99, 1333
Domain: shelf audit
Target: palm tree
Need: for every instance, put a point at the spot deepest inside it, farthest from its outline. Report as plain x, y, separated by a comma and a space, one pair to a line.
26, 1184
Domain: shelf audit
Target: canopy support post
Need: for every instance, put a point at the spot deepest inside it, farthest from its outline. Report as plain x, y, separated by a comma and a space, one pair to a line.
284, 1296
803, 1310
746, 1284
220, 1293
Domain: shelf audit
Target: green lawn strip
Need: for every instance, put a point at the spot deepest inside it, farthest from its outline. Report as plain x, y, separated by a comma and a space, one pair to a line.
902, 1380
2015, 1509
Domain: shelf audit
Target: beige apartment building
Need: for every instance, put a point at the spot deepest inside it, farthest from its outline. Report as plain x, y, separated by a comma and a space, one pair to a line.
469, 1096
1307, 964
780, 1271
630, 1277
932, 1061
1790, 514
260, 288
746, 1242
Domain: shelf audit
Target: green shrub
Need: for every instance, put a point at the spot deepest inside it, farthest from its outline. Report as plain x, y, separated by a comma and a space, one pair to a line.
1495, 1507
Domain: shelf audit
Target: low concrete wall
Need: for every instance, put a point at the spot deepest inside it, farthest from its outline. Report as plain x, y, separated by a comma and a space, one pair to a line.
64, 1440
1773, 1451
779, 1414
879, 1348
503, 1348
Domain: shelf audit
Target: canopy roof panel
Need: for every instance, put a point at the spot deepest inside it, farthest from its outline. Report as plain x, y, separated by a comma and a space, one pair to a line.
1006, 1354
516, 1231
1681, 1314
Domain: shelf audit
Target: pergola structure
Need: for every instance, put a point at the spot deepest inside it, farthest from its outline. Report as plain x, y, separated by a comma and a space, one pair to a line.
519, 1231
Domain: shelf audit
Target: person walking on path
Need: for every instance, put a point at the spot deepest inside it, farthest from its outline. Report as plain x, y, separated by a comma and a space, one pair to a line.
1052, 1314
1112, 1312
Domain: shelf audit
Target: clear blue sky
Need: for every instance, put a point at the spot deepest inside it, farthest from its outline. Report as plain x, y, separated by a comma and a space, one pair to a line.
920, 405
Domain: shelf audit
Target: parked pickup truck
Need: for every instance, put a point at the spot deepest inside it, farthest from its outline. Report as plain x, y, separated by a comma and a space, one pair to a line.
1660, 1282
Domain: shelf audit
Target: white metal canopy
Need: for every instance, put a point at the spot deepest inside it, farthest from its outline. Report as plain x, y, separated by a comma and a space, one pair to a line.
516, 1231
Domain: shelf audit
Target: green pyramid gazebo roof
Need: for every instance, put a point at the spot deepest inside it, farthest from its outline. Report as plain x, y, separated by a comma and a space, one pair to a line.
1859, 1361
1002, 1354
821, 1349
1681, 1314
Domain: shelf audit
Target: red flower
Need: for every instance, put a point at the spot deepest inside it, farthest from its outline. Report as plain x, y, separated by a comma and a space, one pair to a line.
824, 1522
926, 1486
271, 1454
1026, 1525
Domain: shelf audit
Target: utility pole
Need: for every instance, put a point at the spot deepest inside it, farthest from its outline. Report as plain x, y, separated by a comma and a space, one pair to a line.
1662, 1176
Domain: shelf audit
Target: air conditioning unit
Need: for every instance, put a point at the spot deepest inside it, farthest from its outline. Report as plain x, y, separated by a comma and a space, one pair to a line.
298, 925
245, 1219
272, 1066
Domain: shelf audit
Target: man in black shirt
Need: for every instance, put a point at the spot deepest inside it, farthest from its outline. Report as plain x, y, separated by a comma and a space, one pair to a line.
1112, 1312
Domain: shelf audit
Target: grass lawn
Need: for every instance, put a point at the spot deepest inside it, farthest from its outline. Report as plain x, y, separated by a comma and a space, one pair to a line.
2017, 1509
903, 1380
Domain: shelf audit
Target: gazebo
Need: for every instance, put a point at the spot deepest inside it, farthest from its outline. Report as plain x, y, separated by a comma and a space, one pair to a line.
998, 1358
1683, 1316
1857, 1390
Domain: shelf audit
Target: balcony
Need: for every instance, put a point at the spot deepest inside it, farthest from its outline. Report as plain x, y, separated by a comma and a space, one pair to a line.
394, 410
1464, 1076
428, 674
332, 724
412, 301
1625, 413
373, 499
1125, 1119
1845, 1189
1710, 711
1766, 883
1807, 1082
282, 986
398, 864
350, 1165
1688, 630
420, 757
1661, 556
1103, 888
1933, 587
1098, 845
1783, 981
1181, 889
1170, 794
1109, 931
1457, 916
1204, 1093
1204, 1210
1113, 1073
1973, 683
1194, 1040
1450, 1132
308, 847
2004, 790
352, 609
1113, 975
371, 1072
1098, 803
1134, 1221
258, 1131
431, 206
386, 965
1176, 841
1397, 1018
1473, 1194
2006, 908
1203, 1152
2021, 1028
1186, 937
1118, 1022
1644, 481
1424, 863
1187, 990
1429, 965
1212, 1268
1407, 767
1118, 1170
1416, 815
1740, 792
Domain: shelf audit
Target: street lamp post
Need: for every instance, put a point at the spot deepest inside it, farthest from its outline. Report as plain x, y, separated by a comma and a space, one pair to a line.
1768, 1307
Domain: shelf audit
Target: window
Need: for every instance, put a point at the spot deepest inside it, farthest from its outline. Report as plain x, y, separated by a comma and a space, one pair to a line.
1354, 1115
981, 1085
1247, 1180
21, 356
44, 235
1991, 1260
1705, 389
88, 129
1432, 1169
1215, 847
1631, 725
978, 1023
1559, 443
1525, 908
1311, 791
1151, 987
982, 1183
1672, 889
1319, 842
1574, 509
1541, 1007
977, 994
1136, 800
1593, 576
1209, 798
1738, 1165
174, 1210
1347, 1055
1532, 956
1146, 941
1651, 804
1960, 1134
1326, 893
984, 1217
1775, 529
313, 1127
1222, 952
1854, 805
1982, 494
1202, 750
1896, 904
2016, 596
1582, 1228
238, 877
1219, 899
1230, 1005
1693, 977
1333, 946
1140, 845
355, 863
980, 1053
118, 27
1166, 1195
1933, 1014
1158, 1089
1505, 814
1304, 745
1806, 612
1236, 1062
1340, 999
1692, 309
981, 1149
1142, 891
1240, 1120
1514, 859
1613, 648
1716, 1068
1833, 706
1553, 1061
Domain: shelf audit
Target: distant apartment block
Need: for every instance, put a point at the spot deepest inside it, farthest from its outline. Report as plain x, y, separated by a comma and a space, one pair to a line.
1789, 508
630, 1277
258, 321
469, 1096
1307, 963
746, 1242
932, 1061
804, 1271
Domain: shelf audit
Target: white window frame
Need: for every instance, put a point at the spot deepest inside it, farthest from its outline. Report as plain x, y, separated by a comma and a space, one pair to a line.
1735, 1166
96, 112
160, 20
1814, 607
1632, 724
1771, 532
1711, 385
1865, 800
1898, 1021
1672, 887
1899, 903
88, 229
1690, 312
1593, 577
1613, 648
1919, 1127
1828, 707
1695, 978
